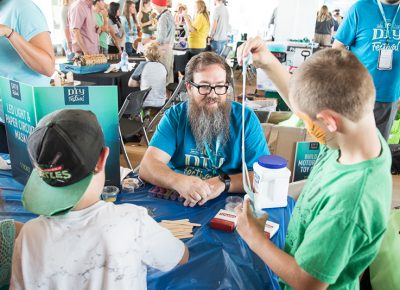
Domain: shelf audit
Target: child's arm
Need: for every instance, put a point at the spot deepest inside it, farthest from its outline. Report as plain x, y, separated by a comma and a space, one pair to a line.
264, 59
284, 265
185, 257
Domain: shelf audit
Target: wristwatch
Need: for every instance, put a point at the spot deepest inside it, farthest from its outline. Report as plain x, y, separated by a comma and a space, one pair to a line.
226, 180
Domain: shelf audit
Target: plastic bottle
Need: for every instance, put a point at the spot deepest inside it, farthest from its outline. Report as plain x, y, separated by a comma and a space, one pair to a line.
271, 182
124, 61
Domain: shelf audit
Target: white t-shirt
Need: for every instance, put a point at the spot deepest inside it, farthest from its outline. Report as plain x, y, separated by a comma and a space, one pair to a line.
154, 75
105, 246
221, 15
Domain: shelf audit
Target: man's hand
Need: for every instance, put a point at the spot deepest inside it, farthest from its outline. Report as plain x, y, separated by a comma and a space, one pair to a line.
261, 55
192, 189
251, 229
216, 187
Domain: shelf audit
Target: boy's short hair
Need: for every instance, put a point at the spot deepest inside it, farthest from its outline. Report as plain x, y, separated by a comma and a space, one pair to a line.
151, 52
333, 79
198, 62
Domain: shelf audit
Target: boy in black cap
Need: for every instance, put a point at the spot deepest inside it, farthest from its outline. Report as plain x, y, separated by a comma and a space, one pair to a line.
79, 240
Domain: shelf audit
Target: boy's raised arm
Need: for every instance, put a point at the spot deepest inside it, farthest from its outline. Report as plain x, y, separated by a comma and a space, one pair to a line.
264, 59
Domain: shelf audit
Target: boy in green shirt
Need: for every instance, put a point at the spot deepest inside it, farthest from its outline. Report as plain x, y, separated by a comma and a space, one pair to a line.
341, 215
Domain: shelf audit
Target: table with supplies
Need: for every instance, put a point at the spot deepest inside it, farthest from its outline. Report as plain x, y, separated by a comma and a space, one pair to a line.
218, 259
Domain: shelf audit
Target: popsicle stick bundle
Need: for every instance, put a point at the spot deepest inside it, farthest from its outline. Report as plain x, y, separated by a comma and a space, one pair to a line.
181, 229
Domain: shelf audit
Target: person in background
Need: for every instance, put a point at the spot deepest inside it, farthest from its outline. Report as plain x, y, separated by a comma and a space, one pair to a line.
79, 241
67, 42
180, 20
196, 147
116, 38
198, 29
324, 27
338, 20
26, 51
342, 212
144, 19
220, 27
129, 24
363, 31
102, 23
9, 230
165, 36
83, 28
151, 73
272, 25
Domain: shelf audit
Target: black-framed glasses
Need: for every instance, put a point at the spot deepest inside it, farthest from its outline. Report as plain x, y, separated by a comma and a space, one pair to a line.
206, 89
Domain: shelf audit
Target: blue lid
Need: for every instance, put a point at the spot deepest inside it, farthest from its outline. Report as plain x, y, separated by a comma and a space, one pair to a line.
272, 161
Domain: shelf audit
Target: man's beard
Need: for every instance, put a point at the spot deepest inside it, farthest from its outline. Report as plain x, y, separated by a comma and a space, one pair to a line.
392, 1
208, 124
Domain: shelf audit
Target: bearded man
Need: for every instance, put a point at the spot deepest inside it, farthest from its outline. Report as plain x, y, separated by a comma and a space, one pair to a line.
196, 149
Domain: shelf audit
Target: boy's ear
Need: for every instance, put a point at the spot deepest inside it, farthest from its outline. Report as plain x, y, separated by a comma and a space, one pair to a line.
330, 119
101, 163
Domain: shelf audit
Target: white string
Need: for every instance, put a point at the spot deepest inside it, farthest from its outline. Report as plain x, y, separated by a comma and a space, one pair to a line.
245, 172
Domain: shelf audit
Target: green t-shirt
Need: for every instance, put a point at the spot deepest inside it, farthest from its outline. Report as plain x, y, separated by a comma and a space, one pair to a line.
103, 35
340, 217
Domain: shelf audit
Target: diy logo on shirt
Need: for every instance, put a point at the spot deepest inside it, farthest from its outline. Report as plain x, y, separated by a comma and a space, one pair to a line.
76, 95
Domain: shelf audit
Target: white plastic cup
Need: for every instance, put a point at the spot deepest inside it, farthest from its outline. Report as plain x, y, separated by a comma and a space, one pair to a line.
271, 182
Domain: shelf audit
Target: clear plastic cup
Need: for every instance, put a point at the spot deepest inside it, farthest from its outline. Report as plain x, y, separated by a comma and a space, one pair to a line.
110, 193
130, 184
231, 202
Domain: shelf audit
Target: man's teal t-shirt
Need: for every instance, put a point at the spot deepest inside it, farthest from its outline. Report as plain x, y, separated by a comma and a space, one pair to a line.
174, 136
28, 21
340, 217
363, 30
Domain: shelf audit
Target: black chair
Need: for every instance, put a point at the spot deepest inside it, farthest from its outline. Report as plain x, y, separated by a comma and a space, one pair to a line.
225, 52
174, 99
130, 126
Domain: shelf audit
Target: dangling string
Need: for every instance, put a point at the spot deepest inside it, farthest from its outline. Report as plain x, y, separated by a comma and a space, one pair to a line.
245, 172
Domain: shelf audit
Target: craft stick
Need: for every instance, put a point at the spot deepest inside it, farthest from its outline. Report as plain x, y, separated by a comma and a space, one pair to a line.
181, 223
184, 237
182, 220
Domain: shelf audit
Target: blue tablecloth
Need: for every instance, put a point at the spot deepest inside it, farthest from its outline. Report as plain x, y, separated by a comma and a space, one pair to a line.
218, 260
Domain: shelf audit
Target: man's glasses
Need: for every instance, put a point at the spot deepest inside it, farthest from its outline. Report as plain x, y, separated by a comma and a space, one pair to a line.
206, 89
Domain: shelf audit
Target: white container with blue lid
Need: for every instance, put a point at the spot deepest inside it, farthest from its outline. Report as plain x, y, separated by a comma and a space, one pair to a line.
271, 182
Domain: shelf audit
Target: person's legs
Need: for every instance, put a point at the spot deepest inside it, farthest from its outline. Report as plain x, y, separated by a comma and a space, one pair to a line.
167, 59
103, 50
385, 114
218, 46
214, 45
129, 48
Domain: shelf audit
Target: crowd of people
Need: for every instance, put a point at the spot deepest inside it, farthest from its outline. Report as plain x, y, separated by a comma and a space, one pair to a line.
346, 99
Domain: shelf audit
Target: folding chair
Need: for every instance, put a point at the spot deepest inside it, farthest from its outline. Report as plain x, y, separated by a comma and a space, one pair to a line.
225, 52
128, 127
174, 99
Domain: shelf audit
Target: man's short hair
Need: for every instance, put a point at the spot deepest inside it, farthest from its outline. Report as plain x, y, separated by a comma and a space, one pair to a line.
333, 79
151, 52
198, 62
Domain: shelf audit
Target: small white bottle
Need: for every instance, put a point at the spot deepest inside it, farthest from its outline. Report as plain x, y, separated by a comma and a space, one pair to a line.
271, 182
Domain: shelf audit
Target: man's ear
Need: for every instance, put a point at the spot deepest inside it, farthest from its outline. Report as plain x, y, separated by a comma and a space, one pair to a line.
330, 119
188, 86
101, 163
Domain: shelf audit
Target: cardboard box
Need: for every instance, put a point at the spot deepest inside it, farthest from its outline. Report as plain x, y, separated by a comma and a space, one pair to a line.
135, 154
282, 140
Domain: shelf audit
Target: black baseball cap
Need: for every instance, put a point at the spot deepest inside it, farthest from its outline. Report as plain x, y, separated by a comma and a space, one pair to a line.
64, 149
